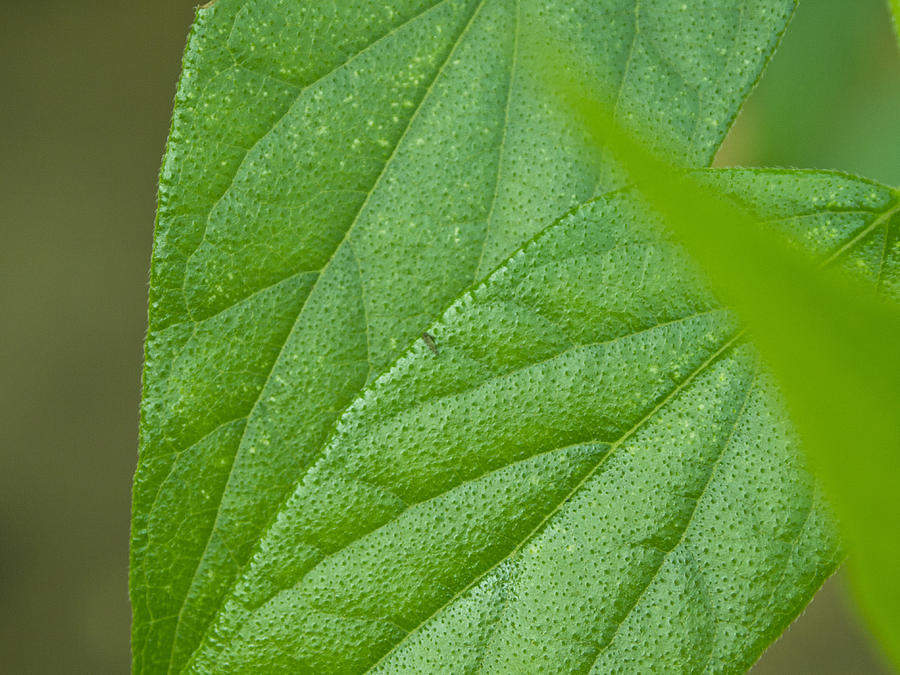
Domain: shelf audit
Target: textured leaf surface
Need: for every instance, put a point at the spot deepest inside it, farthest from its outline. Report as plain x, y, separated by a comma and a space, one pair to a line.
336, 174
592, 475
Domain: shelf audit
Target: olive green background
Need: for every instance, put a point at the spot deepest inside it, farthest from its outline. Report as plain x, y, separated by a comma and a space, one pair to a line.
86, 91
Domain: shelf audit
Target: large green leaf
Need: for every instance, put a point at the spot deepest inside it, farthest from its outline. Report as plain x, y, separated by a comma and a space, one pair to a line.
336, 174
591, 474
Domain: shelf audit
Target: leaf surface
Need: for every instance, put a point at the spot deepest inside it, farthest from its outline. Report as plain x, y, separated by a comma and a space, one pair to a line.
336, 174
592, 474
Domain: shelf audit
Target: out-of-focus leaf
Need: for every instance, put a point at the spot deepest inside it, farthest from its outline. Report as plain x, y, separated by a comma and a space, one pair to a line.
831, 344
591, 475
336, 173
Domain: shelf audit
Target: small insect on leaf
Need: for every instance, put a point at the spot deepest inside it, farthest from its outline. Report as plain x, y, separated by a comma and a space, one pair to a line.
429, 340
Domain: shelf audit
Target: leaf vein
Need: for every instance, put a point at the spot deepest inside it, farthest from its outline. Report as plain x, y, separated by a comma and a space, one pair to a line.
287, 111
500, 153
712, 472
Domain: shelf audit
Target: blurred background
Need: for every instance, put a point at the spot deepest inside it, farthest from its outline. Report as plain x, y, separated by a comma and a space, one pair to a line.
86, 91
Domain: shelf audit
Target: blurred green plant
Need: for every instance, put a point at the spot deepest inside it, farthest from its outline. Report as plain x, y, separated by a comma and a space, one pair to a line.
429, 389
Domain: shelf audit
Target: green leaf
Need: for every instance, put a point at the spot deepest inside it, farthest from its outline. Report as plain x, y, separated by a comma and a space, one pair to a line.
592, 474
336, 174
